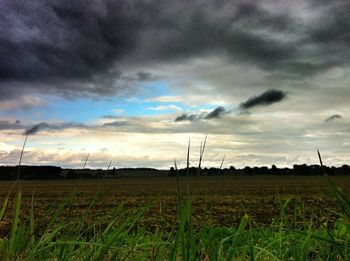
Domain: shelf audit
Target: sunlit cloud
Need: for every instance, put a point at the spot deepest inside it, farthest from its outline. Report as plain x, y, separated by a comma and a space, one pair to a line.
166, 108
118, 111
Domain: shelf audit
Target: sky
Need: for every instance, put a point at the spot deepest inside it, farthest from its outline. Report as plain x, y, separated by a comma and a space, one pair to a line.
132, 81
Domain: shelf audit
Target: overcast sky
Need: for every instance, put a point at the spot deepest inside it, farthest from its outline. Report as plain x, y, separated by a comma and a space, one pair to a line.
131, 81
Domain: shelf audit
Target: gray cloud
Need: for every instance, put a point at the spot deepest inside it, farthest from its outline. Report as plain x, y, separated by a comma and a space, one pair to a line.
53, 127
334, 117
216, 113
267, 98
56, 39
67, 48
81, 47
187, 117
9, 125
115, 124
36, 128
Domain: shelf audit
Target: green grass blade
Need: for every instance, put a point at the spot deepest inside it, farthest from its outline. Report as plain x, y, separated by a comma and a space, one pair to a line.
268, 253
16, 219
343, 201
60, 209
3, 207
32, 223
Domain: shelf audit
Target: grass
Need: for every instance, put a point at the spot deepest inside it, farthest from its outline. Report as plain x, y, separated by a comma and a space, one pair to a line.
124, 238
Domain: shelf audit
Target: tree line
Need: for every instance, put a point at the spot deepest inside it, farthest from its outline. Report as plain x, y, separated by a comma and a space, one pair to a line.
300, 170
53, 172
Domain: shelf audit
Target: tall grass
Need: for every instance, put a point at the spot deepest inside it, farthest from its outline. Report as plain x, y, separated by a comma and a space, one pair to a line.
222, 162
21, 156
86, 160
201, 153
125, 239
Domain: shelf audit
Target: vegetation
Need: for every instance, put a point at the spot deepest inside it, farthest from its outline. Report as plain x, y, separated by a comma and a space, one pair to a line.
52, 172
123, 232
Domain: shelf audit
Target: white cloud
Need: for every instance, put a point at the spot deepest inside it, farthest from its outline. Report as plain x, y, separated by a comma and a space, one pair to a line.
118, 111
261, 138
165, 98
166, 108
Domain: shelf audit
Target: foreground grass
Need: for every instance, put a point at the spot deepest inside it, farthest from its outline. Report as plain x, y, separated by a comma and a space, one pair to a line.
125, 239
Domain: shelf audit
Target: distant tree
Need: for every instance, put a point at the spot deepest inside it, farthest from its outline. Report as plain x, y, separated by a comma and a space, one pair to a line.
172, 172
213, 171
264, 170
344, 170
70, 175
204, 172
274, 170
248, 171
232, 170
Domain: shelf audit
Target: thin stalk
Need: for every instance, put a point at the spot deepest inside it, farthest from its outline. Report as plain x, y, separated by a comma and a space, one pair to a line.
188, 157
20, 158
319, 157
175, 164
87, 157
109, 165
321, 163
200, 159
205, 142
222, 162
201, 153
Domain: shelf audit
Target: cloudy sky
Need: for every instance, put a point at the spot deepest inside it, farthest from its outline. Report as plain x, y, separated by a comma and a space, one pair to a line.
131, 81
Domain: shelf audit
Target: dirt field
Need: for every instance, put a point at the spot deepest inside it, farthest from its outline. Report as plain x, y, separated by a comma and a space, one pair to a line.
216, 200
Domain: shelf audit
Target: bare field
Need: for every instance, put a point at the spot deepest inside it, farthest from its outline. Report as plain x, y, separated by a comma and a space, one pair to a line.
216, 200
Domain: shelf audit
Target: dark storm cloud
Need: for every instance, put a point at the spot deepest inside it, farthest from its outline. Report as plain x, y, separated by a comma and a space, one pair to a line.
78, 48
267, 98
187, 117
48, 39
66, 47
200, 28
216, 113
333, 117
333, 27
